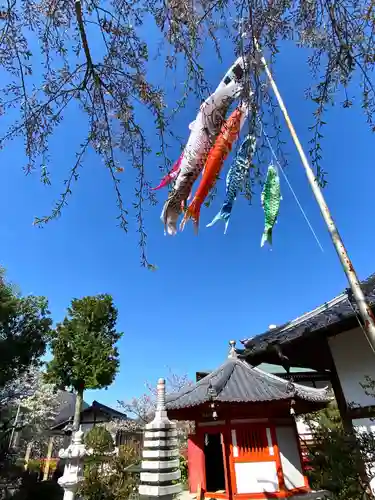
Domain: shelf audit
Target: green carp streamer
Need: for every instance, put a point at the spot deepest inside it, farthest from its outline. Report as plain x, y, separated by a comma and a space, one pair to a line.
271, 197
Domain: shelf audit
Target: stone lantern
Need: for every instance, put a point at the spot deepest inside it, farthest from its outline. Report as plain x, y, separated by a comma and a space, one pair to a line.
73, 471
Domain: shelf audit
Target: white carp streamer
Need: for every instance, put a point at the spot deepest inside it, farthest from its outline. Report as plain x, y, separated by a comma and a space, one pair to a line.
204, 131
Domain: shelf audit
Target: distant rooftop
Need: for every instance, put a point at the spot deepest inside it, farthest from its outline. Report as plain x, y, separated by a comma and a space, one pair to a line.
67, 406
302, 339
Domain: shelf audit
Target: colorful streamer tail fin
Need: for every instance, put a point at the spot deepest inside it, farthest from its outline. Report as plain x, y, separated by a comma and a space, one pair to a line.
171, 176
223, 215
169, 216
164, 182
193, 212
267, 236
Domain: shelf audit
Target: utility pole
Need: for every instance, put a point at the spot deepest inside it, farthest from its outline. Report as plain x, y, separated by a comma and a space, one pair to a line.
359, 297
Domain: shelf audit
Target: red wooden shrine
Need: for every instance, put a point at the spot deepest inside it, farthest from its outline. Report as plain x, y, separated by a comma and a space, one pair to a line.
245, 445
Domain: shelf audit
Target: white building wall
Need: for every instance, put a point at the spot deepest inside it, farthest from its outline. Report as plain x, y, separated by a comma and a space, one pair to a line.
354, 360
364, 424
256, 477
290, 457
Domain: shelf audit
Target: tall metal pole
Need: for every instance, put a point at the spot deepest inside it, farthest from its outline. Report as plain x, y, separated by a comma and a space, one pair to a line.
363, 307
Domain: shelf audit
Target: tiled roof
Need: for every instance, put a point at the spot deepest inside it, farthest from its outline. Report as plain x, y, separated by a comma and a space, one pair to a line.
330, 313
67, 407
238, 381
67, 404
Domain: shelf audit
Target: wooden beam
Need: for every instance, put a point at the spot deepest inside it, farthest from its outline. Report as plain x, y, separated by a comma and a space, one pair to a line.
362, 412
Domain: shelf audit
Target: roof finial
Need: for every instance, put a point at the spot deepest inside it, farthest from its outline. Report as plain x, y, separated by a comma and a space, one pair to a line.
232, 351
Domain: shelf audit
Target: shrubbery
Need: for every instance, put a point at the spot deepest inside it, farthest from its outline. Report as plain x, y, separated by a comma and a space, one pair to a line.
108, 477
338, 459
184, 470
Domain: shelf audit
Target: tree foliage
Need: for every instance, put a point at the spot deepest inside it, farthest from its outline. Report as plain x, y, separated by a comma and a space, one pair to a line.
83, 345
108, 478
38, 402
28, 406
99, 439
336, 457
85, 355
90, 57
42, 406
24, 326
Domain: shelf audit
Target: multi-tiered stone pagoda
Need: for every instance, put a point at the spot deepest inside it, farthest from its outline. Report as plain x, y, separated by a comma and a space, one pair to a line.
160, 476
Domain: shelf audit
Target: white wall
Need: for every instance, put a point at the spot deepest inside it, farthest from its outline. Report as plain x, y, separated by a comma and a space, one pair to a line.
256, 477
290, 457
354, 360
364, 424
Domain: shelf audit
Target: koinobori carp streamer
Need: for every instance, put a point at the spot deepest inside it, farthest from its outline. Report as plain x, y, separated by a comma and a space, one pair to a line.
215, 160
204, 131
271, 197
235, 179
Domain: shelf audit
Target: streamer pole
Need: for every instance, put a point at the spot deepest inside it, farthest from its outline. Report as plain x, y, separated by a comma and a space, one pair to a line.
358, 295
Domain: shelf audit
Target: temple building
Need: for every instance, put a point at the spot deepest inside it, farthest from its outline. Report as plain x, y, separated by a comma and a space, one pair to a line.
245, 444
331, 340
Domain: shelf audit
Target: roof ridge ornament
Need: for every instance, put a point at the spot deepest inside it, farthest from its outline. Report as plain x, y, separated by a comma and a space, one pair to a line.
232, 350
212, 393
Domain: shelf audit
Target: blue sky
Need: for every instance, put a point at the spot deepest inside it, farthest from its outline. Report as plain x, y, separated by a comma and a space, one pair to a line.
209, 288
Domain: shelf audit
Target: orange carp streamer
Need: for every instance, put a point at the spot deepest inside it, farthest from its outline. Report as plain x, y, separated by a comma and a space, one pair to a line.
228, 135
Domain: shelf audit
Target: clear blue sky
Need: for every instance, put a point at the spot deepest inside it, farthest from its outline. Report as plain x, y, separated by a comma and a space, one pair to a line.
208, 289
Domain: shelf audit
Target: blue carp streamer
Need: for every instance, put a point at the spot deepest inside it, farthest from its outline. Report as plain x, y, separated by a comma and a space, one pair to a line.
235, 179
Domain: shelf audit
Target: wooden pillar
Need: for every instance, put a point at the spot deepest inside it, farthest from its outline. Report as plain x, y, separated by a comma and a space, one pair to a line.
48, 460
196, 462
27, 454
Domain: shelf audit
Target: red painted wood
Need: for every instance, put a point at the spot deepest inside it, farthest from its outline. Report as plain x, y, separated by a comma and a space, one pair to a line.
252, 445
196, 463
258, 496
270, 496
226, 454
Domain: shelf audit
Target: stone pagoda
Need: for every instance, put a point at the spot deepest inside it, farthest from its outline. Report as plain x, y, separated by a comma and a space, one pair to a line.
160, 469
